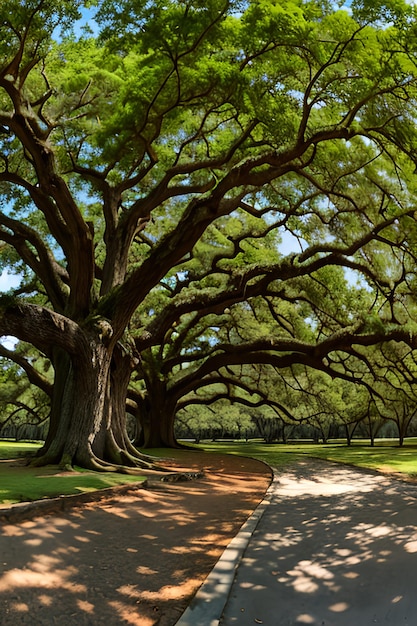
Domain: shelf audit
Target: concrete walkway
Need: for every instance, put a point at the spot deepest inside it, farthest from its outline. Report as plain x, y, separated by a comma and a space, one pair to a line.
329, 546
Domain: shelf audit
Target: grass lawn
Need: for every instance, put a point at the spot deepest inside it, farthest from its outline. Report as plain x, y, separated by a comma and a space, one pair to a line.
385, 456
22, 483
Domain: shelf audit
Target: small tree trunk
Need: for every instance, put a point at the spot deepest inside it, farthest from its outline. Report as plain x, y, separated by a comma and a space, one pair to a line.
348, 435
372, 435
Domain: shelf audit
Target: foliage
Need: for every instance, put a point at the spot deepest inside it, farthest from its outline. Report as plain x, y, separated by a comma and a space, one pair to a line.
24, 406
150, 173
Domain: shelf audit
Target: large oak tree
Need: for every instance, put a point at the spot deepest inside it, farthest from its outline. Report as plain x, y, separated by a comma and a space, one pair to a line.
121, 153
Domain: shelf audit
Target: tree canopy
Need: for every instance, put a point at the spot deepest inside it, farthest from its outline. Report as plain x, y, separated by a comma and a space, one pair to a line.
152, 168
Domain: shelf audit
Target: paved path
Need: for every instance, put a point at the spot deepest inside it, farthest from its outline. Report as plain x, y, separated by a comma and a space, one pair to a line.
333, 547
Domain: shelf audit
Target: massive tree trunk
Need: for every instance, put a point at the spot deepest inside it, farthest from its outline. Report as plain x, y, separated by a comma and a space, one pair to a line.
118, 447
156, 415
88, 408
78, 426
91, 428
88, 425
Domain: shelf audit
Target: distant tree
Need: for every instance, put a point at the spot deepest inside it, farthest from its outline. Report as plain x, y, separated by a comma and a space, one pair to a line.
395, 376
25, 391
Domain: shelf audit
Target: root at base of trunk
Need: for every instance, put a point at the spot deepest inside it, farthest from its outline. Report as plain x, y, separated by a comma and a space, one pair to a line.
135, 465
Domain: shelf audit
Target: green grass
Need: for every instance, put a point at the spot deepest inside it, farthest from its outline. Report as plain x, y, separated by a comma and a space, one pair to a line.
13, 449
384, 456
21, 483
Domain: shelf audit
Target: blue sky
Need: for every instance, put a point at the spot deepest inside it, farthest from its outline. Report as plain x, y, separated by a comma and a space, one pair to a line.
8, 281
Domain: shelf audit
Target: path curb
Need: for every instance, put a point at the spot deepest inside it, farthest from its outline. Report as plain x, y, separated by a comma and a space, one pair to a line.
207, 606
27, 510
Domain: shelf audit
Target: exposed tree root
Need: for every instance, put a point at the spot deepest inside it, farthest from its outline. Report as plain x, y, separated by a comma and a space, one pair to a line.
131, 462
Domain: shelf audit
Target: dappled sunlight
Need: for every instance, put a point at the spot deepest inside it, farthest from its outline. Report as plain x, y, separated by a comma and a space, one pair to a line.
45, 563
145, 571
378, 531
20, 607
39, 577
305, 619
33, 542
85, 607
338, 482
306, 574
82, 539
148, 537
12, 531
118, 512
339, 607
334, 539
290, 537
171, 592
411, 547
133, 617
45, 600
130, 559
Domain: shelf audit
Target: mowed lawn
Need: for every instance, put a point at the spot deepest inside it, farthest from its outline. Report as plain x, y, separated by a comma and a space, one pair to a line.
20, 482
385, 456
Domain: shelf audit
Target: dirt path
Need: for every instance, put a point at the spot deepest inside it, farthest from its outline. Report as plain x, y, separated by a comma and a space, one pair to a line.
135, 559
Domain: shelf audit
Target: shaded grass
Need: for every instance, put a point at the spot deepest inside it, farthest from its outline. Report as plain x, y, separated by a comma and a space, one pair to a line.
385, 456
22, 483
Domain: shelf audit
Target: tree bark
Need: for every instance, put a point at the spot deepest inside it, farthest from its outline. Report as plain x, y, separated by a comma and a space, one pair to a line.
78, 436
156, 417
118, 447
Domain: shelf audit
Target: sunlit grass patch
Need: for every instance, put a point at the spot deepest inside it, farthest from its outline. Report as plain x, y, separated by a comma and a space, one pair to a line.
385, 456
15, 449
24, 484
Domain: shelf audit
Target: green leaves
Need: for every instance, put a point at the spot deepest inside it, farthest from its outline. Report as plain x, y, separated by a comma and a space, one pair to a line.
164, 162
28, 26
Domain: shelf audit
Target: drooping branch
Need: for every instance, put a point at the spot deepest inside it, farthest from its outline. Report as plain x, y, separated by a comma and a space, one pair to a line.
286, 352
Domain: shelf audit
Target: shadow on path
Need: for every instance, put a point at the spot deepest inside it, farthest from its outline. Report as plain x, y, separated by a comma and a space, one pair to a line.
135, 560
335, 547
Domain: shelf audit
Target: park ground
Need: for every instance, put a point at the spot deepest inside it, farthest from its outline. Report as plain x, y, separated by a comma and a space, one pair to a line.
136, 558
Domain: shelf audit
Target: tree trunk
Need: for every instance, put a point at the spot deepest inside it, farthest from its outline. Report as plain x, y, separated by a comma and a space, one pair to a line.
61, 400
88, 408
348, 436
78, 427
156, 417
350, 431
158, 429
156, 407
118, 447
88, 425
